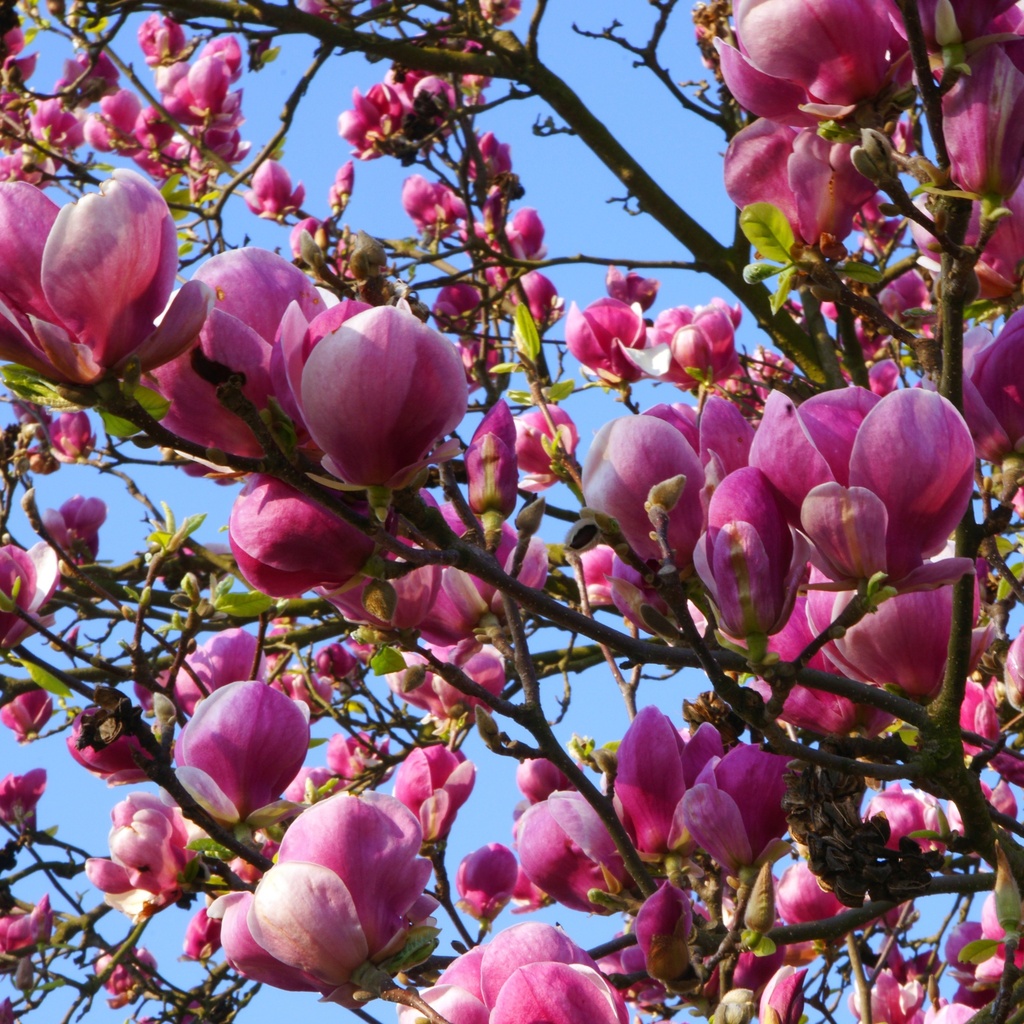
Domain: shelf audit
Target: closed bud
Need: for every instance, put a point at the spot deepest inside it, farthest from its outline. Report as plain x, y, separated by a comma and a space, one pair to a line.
736, 1007
24, 975
666, 494
379, 599
605, 761
164, 709
487, 727
873, 157
413, 678
368, 257
1007, 895
530, 517
760, 915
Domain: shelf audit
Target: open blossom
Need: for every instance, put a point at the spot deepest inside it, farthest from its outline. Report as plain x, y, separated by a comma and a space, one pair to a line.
85, 283
631, 287
600, 336
29, 578
19, 795
535, 434
688, 347
75, 526
241, 748
23, 930
345, 893
272, 195
434, 208
125, 982
434, 783
26, 714
147, 855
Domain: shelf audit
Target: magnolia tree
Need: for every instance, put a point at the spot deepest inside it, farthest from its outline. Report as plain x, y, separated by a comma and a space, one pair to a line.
822, 522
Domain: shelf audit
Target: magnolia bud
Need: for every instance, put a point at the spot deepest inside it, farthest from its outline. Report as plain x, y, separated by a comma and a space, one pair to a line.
873, 157
760, 915
1007, 895
736, 1007
666, 494
379, 599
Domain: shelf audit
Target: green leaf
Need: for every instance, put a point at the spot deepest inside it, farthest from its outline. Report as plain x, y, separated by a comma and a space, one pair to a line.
211, 847
28, 384
519, 397
525, 334
317, 741
561, 390
979, 951
755, 272
758, 944
937, 190
42, 678
863, 272
768, 231
781, 293
386, 660
244, 606
115, 426
503, 368
152, 401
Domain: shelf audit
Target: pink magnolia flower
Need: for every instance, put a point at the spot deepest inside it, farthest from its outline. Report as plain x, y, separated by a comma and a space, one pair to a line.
434, 783
374, 118
161, 39
378, 393
224, 658
147, 855
878, 485
340, 192
531, 972
345, 893
491, 466
71, 437
734, 810
241, 748
352, 758
115, 762
29, 579
541, 296
537, 778
19, 795
433, 207
429, 691
202, 936
782, 1001
23, 930
486, 880
993, 402
631, 287
565, 850
811, 180
286, 544
26, 714
84, 284
415, 595
600, 336
750, 560
663, 926
75, 526
534, 440
126, 980
689, 347
272, 196
627, 458
799, 898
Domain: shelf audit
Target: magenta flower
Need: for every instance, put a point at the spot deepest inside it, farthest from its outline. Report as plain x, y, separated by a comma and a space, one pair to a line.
147, 855
341, 190
663, 926
537, 778
352, 757
19, 795
799, 898
272, 196
782, 1001
626, 459
878, 485
542, 297
433, 207
491, 466
378, 393
71, 437
985, 141
21, 930
812, 181
115, 762
993, 396
534, 441
1013, 673
690, 347
26, 714
734, 810
125, 982
202, 936
29, 579
486, 880
600, 336
565, 850
429, 691
75, 526
224, 658
161, 39
374, 118
434, 782
531, 972
906, 811
415, 594
241, 748
84, 284
631, 287
286, 544
345, 894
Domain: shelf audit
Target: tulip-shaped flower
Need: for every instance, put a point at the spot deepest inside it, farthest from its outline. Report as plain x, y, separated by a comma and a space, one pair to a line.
749, 559
878, 485
535, 444
272, 195
286, 543
225, 658
344, 899
242, 747
690, 347
528, 973
663, 926
202, 936
21, 930
114, 762
491, 468
734, 810
486, 880
28, 580
1013, 673
566, 851
631, 287
19, 795
434, 782
85, 284
601, 336
654, 768
26, 714
75, 526
627, 458
782, 1001
985, 140
147, 855
378, 393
